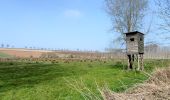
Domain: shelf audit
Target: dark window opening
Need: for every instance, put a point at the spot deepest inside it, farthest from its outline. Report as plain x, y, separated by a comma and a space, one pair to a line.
141, 39
132, 39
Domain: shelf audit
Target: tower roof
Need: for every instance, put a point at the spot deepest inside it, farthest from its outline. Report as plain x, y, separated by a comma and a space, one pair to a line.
134, 32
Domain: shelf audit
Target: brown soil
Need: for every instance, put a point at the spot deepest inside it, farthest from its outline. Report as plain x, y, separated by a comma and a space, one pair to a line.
22, 52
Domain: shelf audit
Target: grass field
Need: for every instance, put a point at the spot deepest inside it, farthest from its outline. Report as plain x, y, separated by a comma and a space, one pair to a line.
67, 81
3, 55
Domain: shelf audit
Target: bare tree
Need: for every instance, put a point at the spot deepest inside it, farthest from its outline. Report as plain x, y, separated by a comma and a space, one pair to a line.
7, 45
164, 13
2, 45
126, 15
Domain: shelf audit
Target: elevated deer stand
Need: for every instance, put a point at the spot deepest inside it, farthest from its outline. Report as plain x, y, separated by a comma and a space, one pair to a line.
135, 49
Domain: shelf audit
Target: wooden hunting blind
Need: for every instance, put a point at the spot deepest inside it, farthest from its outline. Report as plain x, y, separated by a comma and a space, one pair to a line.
135, 42
135, 47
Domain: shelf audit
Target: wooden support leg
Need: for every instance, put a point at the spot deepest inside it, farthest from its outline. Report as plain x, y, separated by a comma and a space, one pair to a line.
128, 56
133, 57
138, 62
131, 61
142, 67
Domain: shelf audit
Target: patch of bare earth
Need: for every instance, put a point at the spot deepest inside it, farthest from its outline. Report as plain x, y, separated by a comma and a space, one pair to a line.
157, 87
23, 52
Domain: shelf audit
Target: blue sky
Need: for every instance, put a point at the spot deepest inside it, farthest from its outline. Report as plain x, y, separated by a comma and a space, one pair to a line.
64, 24
68, 24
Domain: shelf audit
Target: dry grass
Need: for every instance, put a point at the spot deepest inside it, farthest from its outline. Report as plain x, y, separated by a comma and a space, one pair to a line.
157, 87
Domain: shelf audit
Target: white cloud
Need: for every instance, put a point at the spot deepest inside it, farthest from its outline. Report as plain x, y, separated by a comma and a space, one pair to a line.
72, 13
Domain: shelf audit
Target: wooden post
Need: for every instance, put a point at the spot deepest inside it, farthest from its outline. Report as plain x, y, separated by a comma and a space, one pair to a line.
142, 67
128, 56
130, 61
138, 62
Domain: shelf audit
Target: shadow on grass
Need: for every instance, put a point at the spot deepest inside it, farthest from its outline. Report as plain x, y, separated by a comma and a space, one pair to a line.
16, 75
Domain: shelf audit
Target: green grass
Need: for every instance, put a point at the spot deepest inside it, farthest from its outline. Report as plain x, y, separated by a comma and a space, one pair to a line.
40, 81
3, 55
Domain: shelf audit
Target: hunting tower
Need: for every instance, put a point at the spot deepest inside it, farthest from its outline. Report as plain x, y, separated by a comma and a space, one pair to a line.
135, 48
